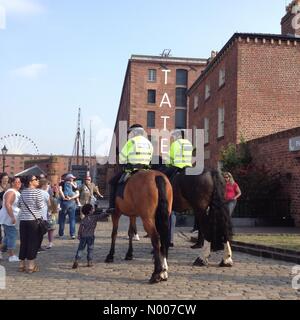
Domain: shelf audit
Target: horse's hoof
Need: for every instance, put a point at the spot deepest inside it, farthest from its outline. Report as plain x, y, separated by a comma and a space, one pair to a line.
200, 263
164, 276
109, 259
128, 258
225, 265
156, 278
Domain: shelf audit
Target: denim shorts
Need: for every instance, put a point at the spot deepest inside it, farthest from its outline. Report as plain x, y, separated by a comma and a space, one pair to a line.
10, 237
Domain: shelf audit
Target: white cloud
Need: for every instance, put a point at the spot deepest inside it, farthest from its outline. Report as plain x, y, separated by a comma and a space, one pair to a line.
22, 7
32, 71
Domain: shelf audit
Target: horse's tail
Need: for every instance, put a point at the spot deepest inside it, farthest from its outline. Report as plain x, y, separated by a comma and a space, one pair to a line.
162, 214
220, 220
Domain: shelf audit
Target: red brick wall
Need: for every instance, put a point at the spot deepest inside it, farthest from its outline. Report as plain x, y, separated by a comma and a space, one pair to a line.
273, 153
226, 97
140, 87
268, 87
261, 95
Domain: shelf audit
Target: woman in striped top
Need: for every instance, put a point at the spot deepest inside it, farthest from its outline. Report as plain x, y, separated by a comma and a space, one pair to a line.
31, 204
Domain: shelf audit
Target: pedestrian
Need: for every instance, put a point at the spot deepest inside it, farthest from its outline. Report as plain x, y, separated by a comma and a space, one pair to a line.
4, 186
9, 216
31, 204
180, 158
88, 190
232, 192
52, 220
69, 193
44, 187
172, 225
86, 234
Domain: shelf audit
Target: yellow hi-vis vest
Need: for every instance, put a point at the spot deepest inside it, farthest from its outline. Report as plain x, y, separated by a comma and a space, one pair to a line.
181, 153
137, 150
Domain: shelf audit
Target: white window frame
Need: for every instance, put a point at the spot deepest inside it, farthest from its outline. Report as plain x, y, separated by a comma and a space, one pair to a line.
222, 77
196, 102
206, 130
221, 121
207, 91
150, 75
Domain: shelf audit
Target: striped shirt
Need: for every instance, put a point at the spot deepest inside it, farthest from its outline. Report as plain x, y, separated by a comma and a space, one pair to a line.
34, 200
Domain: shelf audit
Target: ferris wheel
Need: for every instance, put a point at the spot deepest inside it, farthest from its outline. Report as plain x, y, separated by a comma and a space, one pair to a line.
18, 144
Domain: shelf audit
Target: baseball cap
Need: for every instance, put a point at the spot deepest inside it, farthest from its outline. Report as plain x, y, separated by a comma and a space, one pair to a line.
70, 176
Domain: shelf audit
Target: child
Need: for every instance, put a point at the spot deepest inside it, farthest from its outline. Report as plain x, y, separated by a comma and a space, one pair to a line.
52, 220
86, 234
68, 188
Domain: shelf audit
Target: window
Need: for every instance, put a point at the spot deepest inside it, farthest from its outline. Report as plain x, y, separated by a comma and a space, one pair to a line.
196, 102
181, 97
152, 75
207, 91
206, 130
221, 77
180, 119
181, 77
151, 119
151, 96
221, 116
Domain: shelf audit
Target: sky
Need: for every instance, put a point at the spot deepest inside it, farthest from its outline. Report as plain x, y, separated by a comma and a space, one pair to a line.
59, 55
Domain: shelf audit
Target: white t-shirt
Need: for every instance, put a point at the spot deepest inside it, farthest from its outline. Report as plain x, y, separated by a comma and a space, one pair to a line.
4, 216
46, 197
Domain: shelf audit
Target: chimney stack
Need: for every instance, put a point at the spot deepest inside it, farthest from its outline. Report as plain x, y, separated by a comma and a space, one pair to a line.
290, 23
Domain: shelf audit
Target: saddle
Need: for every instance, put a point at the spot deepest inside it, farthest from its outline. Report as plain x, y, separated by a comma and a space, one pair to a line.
123, 182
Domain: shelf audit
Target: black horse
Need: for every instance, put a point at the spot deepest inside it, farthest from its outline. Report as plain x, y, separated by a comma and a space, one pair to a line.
204, 194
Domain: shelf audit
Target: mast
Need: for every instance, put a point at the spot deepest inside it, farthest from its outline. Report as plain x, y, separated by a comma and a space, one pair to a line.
83, 148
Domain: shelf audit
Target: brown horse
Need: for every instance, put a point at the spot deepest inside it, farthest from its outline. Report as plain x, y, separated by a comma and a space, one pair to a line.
148, 195
204, 194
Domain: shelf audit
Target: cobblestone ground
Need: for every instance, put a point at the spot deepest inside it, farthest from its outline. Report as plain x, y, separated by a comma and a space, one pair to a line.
250, 278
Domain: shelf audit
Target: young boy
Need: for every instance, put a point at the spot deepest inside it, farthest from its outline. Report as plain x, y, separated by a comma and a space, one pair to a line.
86, 234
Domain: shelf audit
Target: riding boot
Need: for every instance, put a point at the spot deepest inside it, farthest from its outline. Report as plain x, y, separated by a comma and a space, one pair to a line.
112, 196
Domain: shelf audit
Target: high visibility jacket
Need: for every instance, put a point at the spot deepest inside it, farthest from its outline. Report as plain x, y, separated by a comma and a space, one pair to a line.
181, 153
137, 150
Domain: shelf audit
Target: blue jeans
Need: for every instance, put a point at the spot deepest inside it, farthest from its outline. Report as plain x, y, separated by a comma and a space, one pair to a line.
89, 242
231, 206
10, 237
67, 208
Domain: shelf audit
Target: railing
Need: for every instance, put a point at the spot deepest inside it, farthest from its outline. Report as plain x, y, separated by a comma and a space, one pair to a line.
272, 211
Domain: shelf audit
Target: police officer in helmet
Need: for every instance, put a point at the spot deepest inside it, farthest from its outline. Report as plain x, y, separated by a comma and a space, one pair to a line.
136, 154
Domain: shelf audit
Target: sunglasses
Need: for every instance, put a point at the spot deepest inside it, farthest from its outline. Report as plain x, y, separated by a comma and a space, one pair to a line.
35, 179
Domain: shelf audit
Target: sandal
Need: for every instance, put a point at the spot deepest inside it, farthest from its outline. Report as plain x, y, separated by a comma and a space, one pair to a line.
34, 269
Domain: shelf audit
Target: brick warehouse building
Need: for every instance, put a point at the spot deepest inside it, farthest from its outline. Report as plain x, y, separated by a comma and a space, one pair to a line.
53, 166
155, 93
250, 89
277, 153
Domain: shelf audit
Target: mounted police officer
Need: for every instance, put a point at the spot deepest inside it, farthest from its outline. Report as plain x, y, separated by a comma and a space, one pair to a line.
136, 154
180, 154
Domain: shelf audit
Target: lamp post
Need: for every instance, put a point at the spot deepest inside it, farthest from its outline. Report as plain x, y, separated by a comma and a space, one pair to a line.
4, 153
